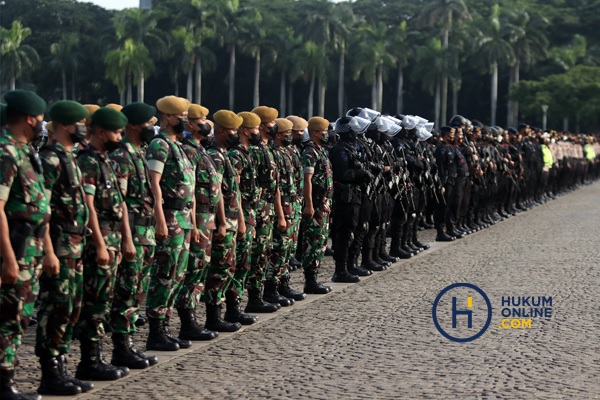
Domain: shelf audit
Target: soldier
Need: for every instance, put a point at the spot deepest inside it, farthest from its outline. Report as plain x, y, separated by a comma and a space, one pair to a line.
133, 177
61, 295
318, 191
222, 264
172, 183
446, 165
24, 236
268, 208
277, 276
91, 108
102, 253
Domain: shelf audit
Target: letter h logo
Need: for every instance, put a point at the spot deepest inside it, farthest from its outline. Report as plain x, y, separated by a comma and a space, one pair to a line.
456, 312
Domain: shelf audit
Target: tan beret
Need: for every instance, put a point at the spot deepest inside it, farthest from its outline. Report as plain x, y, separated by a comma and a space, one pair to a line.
227, 119
266, 114
300, 123
251, 120
115, 106
172, 105
50, 127
284, 125
197, 111
92, 108
318, 124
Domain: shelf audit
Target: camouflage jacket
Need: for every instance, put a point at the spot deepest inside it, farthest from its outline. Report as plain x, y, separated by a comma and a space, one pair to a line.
287, 185
133, 177
298, 170
177, 182
249, 189
22, 187
268, 177
229, 180
64, 188
316, 162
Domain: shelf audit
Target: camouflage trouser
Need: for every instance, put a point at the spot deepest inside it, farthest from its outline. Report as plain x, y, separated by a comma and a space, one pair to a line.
168, 269
261, 245
314, 239
188, 292
98, 290
243, 259
16, 308
127, 300
222, 267
296, 219
60, 305
281, 252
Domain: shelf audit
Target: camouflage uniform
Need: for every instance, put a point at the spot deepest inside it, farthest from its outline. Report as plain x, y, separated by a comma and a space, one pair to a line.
316, 230
99, 180
27, 210
171, 257
283, 240
61, 295
134, 181
297, 204
222, 263
268, 180
249, 193
207, 193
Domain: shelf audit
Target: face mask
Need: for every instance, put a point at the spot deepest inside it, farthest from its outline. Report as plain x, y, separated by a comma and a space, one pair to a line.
38, 132
111, 145
325, 137
180, 127
373, 135
297, 140
205, 129
287, 140
233, 140
255, 138
147, 133
80, 134
273, 130
207, 141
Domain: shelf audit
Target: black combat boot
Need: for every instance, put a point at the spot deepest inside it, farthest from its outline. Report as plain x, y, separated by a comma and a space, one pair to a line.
367, 262
256, 304
443, 236
312, 286
397, 251
380, 248
342, 275
234, 314
294, 264
84, 385
420, 245
53, 380
191, 329
183, 343
123, 355
8, 389
286, 291
214, 322
152, 360
353, 269
93, 367
157, 339
140, 321
272, 295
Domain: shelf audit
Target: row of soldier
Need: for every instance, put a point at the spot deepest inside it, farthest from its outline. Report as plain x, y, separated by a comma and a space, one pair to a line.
195, 211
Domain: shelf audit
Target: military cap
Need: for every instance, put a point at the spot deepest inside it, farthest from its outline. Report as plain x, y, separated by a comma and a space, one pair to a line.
92, 108
172, 105
318, 124
2, 114
109, 118
266, 114
114, 106
67, 112
25, 102
138, 113
300, 123
251, 120
197, 111
284, 125
512, 130
227, 119
50, 127
445, 130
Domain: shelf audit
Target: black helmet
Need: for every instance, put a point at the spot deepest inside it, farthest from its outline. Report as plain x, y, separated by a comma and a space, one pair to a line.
342, 125
353, 112
458, 120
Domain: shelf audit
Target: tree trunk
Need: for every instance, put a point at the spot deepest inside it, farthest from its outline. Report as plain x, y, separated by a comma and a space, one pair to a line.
122, 98
494, 88
437, 103
400, 91
176, 82
322, 89
516, 102
290, 102
566, 124
129, 89
374, 90
380, 88
311, 95
198, 68
13, 82
256, 97
455, 99
341, 73
231, 76
444, 87
282, 83
509, 104
141, 88
63, 75
189, 87
73, 86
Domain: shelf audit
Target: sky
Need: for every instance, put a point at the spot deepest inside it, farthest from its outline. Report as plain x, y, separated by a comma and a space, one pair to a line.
114, 4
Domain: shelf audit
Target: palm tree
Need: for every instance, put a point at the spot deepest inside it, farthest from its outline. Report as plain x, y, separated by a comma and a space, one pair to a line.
444, 12
127, 64
315, 63
286, 52
17, 58
403, 47
256, 41
65, 58
495, 48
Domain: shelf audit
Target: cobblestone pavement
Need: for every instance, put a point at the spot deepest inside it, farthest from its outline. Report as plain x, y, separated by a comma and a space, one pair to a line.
376, 339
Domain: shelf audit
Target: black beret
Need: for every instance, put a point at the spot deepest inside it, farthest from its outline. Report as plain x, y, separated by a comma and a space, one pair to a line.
25, 102
67, 112
138, 113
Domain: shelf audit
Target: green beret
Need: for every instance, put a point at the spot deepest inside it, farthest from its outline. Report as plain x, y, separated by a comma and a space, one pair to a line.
109, 119
138, 113
25, 102
2, 114
67, 112
227, 119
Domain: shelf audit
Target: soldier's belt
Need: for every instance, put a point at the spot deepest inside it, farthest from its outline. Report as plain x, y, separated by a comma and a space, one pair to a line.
177, 204
140, 220
205, 208
463, 175
268, 197
232, 214
69, 227
111, 225
288, 199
